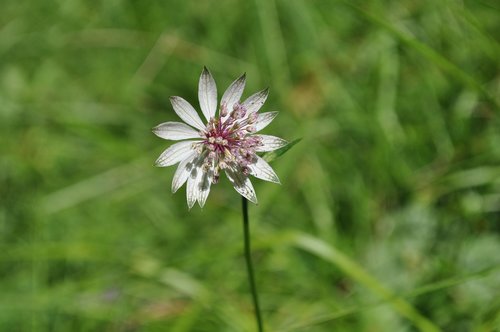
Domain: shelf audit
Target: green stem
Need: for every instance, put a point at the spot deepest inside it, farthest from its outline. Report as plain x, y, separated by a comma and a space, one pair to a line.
248, 258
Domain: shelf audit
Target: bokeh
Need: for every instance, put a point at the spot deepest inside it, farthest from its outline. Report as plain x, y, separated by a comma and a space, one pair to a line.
387, 218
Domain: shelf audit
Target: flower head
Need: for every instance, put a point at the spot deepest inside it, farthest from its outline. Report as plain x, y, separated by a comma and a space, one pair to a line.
226, 143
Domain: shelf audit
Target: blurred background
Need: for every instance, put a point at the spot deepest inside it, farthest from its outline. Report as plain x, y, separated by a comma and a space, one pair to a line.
387, 218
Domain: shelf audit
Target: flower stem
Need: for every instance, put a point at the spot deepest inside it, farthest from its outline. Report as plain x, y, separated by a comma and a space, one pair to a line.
248, 258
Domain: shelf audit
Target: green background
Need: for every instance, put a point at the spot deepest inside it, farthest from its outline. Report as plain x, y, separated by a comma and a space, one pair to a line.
387, 218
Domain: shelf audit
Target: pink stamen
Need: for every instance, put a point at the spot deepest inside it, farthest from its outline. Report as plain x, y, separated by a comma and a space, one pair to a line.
228, 139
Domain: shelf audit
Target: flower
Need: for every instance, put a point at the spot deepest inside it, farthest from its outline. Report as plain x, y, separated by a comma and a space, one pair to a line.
226, 143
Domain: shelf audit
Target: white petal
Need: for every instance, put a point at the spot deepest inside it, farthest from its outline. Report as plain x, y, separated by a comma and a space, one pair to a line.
175, 131
183, 171
242, 184
233, 93
255, 101
270, 143
186, 112
204, 187
175, 153
264, 119
261, 169
207, 94
192, 187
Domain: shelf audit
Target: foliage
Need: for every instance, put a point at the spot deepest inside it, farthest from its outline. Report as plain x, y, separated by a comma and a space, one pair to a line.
387, 218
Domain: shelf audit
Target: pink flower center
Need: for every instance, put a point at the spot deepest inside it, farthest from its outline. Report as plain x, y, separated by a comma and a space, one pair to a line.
228, 140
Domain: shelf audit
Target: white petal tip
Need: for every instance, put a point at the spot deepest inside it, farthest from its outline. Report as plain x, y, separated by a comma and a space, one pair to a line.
206, 71
265, 92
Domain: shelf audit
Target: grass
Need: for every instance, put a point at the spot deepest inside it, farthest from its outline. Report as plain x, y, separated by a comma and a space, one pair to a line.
387, 218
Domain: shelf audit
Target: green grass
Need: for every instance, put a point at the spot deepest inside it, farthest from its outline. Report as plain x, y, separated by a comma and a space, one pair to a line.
388, 216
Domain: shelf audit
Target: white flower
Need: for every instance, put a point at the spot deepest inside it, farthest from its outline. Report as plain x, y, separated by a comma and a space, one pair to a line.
226, 143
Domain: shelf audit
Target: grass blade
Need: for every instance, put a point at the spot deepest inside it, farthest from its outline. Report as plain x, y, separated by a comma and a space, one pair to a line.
323, 250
